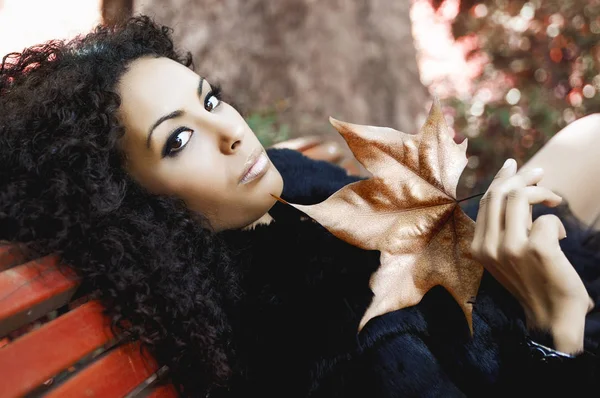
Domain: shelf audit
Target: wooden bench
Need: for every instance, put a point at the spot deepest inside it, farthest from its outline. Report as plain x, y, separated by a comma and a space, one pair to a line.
51, 346
74, 354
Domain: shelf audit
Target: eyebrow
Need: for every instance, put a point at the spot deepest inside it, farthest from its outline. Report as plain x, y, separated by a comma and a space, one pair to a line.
171, 115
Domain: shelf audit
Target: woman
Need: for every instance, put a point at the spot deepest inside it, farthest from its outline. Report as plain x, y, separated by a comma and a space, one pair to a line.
118, 157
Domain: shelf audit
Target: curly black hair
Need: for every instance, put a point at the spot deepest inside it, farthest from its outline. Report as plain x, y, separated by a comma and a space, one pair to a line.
64, 190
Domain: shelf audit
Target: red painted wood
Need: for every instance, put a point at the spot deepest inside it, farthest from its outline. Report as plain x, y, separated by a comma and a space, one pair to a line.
32, 283
9, 256
39, 355
113, 375
166, 391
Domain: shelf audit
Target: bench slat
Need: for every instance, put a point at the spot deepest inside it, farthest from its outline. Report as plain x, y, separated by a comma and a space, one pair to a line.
10, 256
113, 375
166, 391
31, 290
41, 354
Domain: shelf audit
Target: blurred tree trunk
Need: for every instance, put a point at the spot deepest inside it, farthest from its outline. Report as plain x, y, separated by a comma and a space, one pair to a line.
309, 59
114, 11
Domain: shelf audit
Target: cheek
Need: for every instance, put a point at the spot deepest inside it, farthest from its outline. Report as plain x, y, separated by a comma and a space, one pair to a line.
198, 181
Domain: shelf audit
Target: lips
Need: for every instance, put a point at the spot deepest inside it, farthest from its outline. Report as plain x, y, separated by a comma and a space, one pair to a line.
255, 166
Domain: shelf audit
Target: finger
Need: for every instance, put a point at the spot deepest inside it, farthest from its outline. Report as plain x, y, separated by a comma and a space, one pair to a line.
497, 197
518, 211
496, 206
531, 176
545, 230
508, 169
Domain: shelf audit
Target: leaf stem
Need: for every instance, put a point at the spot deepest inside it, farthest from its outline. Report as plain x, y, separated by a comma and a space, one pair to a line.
470, 197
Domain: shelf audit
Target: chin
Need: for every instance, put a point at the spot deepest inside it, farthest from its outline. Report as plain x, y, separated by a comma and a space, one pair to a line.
273, 183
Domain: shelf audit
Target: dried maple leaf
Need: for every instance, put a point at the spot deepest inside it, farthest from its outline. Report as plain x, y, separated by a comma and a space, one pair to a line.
408, 211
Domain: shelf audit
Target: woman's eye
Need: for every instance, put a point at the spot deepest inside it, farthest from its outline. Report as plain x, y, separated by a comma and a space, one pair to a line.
177, 141
212, 101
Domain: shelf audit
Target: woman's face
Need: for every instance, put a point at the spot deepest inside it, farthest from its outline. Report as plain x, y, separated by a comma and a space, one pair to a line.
181, 140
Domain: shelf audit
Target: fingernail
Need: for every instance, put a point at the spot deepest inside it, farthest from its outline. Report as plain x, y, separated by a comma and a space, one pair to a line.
537, 170
507, 163
558, 197
563, 233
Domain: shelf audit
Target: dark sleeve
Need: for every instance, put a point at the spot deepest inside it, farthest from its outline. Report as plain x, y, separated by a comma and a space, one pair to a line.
410, 352
521, 366
547, 375
426, 350
395, 361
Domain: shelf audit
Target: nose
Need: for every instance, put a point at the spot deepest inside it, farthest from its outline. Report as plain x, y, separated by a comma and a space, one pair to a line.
228, 131
231, 138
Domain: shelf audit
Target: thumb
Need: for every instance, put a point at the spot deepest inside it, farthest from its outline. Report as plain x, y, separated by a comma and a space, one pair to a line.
508, 169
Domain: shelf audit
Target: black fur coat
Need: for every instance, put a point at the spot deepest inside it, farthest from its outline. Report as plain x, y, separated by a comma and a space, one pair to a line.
306, 292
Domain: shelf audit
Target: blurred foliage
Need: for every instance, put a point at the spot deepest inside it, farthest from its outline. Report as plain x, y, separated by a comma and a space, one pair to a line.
267, 127
542, 71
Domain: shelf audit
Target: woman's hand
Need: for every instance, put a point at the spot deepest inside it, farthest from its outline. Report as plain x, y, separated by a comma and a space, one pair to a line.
526, 258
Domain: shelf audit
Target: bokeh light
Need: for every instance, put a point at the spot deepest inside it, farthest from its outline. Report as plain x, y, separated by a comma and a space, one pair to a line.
513, 96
